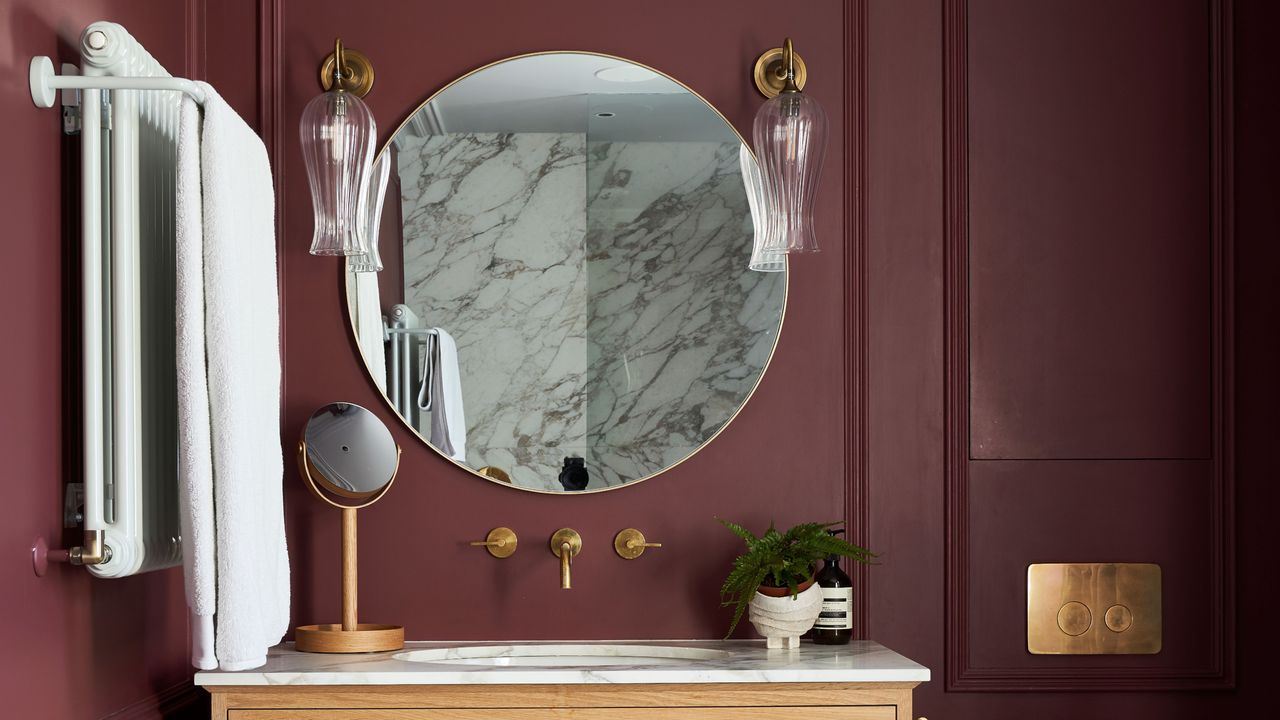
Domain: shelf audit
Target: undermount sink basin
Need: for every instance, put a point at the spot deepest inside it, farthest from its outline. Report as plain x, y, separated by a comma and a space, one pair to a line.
561, 655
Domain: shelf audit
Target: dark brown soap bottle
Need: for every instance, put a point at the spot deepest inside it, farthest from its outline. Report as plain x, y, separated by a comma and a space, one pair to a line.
835, 623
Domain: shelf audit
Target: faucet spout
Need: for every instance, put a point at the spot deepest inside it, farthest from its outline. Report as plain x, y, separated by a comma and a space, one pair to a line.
566, 559
565, 543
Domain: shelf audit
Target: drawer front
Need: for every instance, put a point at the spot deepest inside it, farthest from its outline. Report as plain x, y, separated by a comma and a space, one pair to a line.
866, 712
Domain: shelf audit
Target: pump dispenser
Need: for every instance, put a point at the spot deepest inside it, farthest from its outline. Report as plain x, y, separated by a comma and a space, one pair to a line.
835, 623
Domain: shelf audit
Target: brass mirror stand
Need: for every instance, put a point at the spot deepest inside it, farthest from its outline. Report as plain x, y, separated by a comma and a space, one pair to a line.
350, 636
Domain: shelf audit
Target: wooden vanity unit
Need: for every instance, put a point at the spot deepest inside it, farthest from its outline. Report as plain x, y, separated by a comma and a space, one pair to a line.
759, 685
837, 701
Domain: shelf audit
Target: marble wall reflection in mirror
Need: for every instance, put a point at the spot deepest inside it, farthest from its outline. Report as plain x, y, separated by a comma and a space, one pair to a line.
566, 303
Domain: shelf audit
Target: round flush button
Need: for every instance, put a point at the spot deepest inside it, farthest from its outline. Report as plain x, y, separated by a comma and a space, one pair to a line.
1118, 618
1074, 618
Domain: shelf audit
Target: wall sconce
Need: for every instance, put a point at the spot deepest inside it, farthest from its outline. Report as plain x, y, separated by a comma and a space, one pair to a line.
762, 258
338, 135
790, 142
375, 194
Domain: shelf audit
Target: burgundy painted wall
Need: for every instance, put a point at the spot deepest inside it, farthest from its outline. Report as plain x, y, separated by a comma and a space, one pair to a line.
416, 567
1087, 326
910, 315
1089, 204
792, 454
900, 481
1256, 194
74, 647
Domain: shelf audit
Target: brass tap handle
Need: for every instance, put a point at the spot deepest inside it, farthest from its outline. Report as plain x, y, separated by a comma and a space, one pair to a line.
630, 544
565, 544
501, 542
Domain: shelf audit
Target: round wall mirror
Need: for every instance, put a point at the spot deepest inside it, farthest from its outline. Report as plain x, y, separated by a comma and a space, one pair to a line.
564, 301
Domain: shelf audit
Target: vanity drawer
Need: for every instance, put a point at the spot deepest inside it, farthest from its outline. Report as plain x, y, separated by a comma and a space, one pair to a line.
864, 712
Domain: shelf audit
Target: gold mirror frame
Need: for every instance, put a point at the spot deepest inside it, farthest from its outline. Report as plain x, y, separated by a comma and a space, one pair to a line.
306, 469
351, 326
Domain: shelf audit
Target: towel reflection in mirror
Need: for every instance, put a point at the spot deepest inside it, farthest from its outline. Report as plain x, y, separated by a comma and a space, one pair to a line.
415, 366
440, 395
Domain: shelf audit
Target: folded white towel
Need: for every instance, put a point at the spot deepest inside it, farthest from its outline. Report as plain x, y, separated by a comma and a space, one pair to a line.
231, 465
440, 394
195, 451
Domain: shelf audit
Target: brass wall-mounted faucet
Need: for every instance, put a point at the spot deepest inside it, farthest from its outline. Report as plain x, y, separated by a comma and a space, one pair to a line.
565, 544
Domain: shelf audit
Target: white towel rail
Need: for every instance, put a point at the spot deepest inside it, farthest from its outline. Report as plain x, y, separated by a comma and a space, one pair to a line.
45, 83
128, 152
404, 333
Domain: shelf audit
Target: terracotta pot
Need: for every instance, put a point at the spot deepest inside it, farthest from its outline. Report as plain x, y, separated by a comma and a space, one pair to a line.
784, 592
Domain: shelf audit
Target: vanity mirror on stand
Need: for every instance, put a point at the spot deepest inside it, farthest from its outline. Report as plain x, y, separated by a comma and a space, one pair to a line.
349, 460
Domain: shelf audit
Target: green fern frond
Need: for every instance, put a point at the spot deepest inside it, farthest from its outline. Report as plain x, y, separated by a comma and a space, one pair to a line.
783, 560
740, 531
807, 530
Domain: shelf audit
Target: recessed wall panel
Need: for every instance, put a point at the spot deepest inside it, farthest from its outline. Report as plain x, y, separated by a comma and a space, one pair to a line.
1089, 218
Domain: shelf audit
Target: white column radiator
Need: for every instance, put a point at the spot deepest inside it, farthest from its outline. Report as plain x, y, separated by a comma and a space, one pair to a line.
128, 117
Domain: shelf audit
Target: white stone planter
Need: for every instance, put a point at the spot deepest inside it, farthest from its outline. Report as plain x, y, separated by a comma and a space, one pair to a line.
782, 620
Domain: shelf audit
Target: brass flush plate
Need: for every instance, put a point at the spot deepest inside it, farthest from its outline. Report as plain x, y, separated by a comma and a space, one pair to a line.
1093, 609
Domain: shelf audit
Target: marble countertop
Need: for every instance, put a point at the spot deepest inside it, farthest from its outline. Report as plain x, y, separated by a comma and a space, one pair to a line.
732, 661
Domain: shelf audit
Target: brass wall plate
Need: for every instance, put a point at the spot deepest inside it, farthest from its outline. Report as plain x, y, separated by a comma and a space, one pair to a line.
1094, 609
566, 535
359, 68
630, 544
501, 542
771, 76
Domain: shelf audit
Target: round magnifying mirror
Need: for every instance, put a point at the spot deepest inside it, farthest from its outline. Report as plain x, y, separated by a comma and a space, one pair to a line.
348, 459
349, 453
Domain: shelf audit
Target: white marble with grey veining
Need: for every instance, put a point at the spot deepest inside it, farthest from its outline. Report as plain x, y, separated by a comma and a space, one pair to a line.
493, 253
678, 327
598, 293
732, 661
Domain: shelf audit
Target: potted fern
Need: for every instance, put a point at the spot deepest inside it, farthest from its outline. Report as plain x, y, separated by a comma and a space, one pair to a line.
774, 578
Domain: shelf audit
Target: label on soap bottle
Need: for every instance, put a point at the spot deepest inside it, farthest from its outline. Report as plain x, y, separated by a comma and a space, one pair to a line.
837, 609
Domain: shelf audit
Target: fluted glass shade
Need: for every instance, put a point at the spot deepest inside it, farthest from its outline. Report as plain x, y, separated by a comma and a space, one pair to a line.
791, 140
762, 259
374, 197
338, 134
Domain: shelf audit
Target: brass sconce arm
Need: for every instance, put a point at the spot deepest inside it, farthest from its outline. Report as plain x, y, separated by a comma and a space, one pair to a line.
347, 70
780, 70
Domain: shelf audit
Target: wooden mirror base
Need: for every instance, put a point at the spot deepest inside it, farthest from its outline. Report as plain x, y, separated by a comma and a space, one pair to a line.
331, 638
